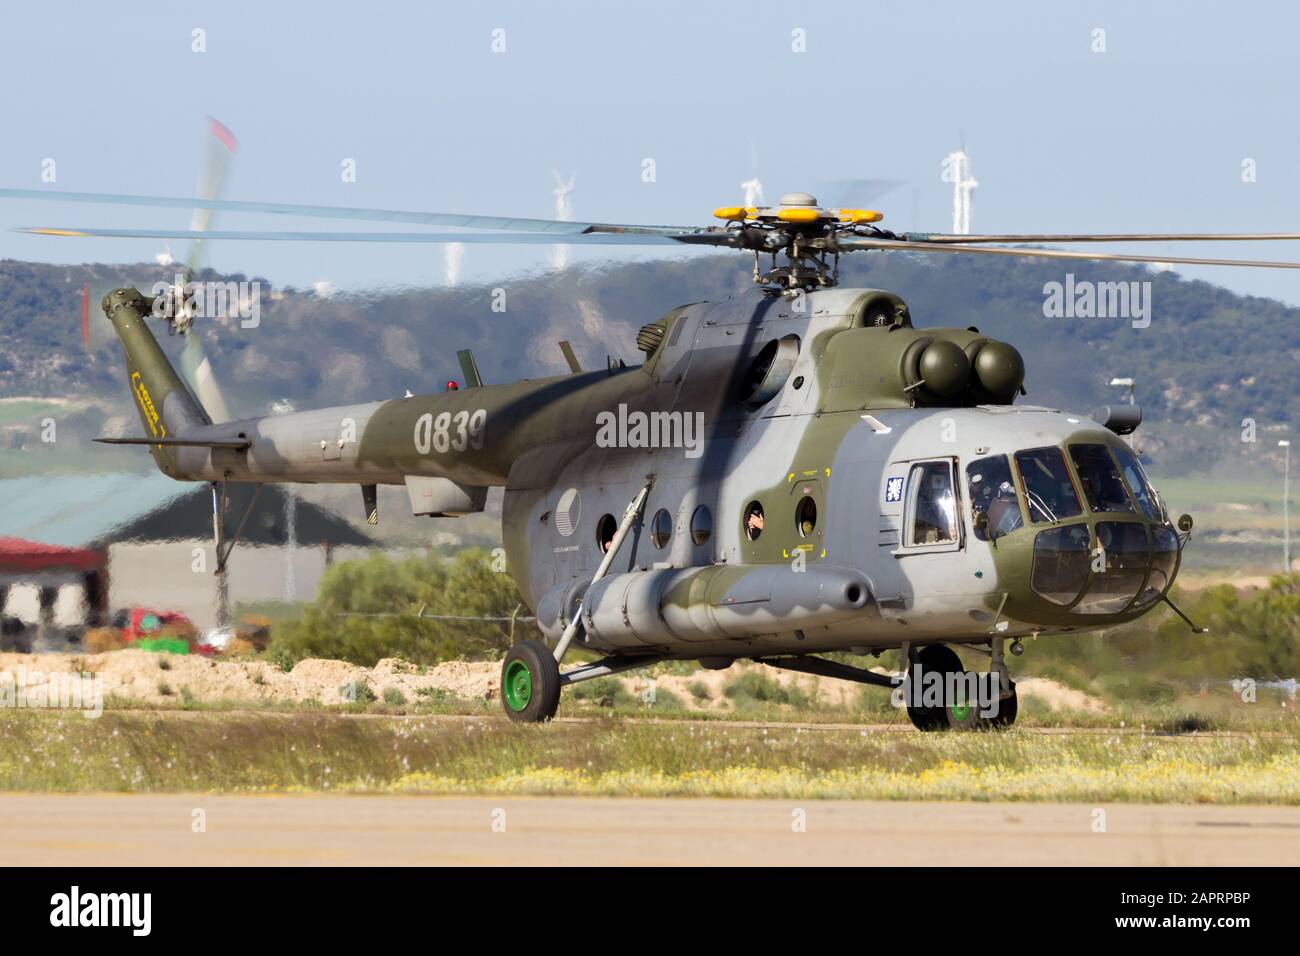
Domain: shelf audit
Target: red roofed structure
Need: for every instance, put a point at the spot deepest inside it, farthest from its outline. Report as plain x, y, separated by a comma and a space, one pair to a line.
18, 556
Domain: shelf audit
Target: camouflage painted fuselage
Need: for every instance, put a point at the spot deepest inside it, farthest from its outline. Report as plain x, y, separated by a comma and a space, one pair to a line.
843, 425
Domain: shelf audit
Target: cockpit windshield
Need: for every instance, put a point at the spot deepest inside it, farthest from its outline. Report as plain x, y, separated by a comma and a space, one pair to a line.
1138, 484
1048, 488
1100, 478
1125, 559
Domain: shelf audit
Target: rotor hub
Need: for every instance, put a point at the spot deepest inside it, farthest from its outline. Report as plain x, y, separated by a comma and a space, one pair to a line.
800, 230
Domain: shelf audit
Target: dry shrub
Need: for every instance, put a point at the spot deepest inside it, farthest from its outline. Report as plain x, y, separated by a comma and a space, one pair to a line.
99, 640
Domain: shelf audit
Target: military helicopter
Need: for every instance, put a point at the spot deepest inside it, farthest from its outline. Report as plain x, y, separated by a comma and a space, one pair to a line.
791, 472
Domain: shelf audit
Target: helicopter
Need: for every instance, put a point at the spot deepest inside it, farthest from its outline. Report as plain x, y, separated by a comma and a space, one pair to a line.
792, 472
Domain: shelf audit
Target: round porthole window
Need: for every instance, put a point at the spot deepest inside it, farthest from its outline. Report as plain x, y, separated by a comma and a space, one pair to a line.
754, 520
805, 516
702, 525
606, 528
661, 529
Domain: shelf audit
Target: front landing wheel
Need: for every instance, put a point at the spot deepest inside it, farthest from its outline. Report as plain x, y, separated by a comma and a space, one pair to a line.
1008, 707
530, 683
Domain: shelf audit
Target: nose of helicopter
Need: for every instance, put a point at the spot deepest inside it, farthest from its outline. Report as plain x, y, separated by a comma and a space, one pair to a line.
1093, 568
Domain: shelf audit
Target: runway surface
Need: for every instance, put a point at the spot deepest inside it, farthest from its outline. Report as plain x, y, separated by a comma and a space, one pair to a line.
133, 829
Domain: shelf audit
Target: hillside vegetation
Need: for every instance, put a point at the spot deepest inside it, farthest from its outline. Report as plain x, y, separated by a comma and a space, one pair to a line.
1208, 360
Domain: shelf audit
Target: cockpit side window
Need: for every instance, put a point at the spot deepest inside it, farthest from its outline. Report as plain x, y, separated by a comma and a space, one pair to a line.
1048, 487
1136, 480
993, 494
1100, 479
932, 504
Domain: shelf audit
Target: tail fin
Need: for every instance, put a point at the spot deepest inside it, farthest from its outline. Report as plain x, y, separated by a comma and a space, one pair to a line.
167, 409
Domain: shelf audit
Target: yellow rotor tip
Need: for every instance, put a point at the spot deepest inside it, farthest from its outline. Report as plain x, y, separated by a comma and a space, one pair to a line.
799, 214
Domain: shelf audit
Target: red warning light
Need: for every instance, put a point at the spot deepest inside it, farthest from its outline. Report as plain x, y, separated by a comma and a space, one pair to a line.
452, 385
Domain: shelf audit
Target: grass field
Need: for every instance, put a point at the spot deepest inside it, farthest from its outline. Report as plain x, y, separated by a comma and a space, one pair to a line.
766, 702
137, 751
1239, 526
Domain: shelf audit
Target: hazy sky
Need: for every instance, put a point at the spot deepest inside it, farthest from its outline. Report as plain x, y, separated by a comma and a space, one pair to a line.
1149, 135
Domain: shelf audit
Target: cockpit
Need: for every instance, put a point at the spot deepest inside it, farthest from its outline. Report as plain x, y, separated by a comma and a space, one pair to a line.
1102, 541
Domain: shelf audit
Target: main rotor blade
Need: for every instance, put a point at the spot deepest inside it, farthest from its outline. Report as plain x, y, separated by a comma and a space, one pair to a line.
852, 243
855, 193
506, 238
945, 237
515, 223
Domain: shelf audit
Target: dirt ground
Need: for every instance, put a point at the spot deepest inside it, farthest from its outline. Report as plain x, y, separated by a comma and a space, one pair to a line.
166, 678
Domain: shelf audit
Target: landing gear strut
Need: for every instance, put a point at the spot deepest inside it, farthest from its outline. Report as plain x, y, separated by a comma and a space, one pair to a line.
530, 673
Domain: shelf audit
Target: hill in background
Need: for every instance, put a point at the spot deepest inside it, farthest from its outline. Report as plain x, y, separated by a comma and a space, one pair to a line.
1209, 359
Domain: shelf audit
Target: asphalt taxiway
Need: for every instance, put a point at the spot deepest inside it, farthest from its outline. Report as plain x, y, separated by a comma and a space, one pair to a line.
336, 829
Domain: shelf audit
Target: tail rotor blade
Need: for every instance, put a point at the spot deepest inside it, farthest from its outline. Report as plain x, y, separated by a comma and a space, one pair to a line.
221, 149
196, 369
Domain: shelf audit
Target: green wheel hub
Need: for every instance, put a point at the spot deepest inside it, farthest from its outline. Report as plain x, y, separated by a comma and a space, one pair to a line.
518, 687
961, 712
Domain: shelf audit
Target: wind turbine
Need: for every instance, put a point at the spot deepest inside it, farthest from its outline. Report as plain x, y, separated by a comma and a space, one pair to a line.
453, 253
956, 170
563, 212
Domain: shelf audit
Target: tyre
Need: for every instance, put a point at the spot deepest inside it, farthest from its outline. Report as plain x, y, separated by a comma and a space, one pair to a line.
933, 659
530, 683
1007, 708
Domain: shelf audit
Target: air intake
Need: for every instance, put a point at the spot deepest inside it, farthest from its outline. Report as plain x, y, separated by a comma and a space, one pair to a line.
650, 338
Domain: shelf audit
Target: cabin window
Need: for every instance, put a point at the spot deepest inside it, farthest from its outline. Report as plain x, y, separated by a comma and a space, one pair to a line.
702, 525
754, 520
932, 505
606, 528
805, 516
661, 529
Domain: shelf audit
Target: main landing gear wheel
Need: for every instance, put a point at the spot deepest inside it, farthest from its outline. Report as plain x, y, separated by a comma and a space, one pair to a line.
530, 683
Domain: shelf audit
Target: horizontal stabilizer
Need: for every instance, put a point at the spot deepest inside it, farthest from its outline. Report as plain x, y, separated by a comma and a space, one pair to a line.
235, 443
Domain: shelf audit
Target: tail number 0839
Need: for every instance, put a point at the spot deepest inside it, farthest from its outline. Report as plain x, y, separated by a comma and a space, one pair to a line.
449, 432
